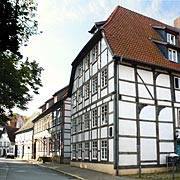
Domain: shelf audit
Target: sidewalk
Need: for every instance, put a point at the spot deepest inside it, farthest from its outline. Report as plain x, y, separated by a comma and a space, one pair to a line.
86, 174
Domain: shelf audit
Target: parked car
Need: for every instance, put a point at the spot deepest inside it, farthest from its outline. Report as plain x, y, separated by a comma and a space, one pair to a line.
10, 155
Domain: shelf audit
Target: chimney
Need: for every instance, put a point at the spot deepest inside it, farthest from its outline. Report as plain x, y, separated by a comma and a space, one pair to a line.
177, 22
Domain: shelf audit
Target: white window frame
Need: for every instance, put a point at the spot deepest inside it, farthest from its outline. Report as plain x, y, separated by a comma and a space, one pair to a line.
95, 53
80, 123
87, 62
172, 55
104, 77
104, 114
94, 150
80, 94
73, 126
79, 150
94, 84
80, 68
176, 82
86, 120
86, 150
103, 149
171, 39
94, 117
86, 90
73, 150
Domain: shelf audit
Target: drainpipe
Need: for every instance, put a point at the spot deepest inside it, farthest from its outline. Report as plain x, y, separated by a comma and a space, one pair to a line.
117, 60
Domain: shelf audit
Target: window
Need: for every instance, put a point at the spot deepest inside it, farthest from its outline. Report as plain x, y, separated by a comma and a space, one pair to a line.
104, 78
86, 90
74, 100
73, 150
172, 55
87, 61
94, 84
86, 120
79, 150
80, 69
104, 150
73, 125
177, 83
171, 39
0, 144
80, 123
80, 94
104, 114
86, 150
94, 118
95, 53
94, 150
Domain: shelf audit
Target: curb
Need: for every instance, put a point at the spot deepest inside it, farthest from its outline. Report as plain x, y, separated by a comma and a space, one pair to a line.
63, 172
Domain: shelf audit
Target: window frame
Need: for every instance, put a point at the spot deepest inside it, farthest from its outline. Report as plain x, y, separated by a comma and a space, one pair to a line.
86, 150
104, 150
104, 77
94, 150
86, 90
169, 39
94, 117
171, 56
86, 120
94, 84
104, 114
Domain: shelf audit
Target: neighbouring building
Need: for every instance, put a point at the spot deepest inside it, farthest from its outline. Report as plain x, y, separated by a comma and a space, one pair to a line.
52, 128
4, 142
125, 93
24, 139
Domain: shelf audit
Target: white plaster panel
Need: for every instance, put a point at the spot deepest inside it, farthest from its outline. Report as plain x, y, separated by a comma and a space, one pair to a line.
103, 44
166, 114
111, 106
166, 131
104, 58
80, 81
146, 101
94, 68
127, 144
177, 105
148, 113
94, 134
109, 56
163, 80
127, 88
87, 75
111, 85
164, 103
163, 158
126, 73
148, 149
127, 159
127, 127
86, 134
177, 95
127, 109
127, 98
94, 97
110, 70
111, 119
143, 92
111, 152
104, 92
148, 129
147, 76
104, 132
163, 93
166, 147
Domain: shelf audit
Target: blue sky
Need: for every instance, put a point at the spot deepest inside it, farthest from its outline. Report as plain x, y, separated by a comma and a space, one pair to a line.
65, 25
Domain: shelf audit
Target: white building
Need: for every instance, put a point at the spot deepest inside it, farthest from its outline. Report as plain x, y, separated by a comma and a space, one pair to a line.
52, 128
4, 142
125, 91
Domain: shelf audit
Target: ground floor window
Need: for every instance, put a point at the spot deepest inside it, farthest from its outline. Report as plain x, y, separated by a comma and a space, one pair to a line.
94, 150
86, 150
104, 149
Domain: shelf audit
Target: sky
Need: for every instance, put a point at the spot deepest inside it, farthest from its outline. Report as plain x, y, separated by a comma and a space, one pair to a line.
65, 25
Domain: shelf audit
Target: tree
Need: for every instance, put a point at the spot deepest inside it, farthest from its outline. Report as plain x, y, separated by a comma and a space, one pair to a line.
18, 76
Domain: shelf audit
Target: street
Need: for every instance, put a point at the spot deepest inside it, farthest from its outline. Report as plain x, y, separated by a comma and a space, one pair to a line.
21, 170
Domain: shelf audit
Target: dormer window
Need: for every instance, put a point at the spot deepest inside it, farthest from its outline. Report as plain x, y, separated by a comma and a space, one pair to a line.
171, 39
172, 55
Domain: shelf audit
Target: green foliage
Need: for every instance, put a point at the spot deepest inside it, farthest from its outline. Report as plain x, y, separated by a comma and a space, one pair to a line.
18, 77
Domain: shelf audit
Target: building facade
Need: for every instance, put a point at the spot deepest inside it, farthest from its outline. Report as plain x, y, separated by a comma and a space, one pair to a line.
52, 128
4, 142
125, 95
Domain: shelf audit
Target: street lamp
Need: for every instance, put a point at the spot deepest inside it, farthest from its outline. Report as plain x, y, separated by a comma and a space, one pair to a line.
44, 140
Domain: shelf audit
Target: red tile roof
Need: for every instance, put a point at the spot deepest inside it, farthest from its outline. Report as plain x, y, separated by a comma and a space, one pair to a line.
128, 34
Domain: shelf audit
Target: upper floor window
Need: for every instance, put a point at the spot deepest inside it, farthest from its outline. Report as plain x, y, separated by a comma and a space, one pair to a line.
80, 94
86, 120
94, 84
104, 114
86, 90
87, 61
80, 69
94, 118
171, 39
73, 125
172, 55
95, 53
104, 78
177, 83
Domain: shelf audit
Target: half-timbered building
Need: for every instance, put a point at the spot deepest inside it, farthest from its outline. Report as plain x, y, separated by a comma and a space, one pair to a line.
125, 93
52, 128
